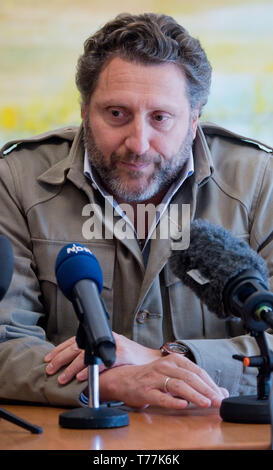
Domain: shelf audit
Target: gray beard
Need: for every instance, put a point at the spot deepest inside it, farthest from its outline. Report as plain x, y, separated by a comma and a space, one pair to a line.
166, 172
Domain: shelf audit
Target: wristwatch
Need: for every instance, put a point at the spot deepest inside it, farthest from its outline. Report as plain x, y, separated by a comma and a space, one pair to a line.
169, 348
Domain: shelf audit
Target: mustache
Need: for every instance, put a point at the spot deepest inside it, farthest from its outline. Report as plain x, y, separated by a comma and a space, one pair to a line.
135, 158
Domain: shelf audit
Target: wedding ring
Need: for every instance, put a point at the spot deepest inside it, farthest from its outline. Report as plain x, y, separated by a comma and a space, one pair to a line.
165, 384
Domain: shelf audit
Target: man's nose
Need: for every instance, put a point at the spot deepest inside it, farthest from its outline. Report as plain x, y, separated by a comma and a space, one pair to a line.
138, 138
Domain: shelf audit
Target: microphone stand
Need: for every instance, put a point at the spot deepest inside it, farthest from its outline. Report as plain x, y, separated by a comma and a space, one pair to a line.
93, 416
252, 408
8, 416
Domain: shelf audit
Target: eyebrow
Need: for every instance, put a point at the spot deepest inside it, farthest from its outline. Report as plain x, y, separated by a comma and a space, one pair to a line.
115, 102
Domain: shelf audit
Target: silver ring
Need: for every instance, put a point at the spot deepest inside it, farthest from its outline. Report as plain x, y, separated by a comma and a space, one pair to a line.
165, 384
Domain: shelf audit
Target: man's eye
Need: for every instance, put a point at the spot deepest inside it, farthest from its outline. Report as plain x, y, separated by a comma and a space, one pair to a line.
160, 117
116, 116
115, 113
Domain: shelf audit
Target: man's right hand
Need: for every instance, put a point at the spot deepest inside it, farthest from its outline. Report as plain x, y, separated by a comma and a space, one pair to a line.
141, 386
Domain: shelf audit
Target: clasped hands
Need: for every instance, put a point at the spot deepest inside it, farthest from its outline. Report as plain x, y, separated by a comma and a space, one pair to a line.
138, 377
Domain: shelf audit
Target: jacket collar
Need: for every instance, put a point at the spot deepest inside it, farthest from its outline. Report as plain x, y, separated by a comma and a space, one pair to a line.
202, 158
70, 167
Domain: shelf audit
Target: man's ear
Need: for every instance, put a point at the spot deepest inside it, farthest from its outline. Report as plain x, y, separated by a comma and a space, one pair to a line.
195, 119
84, 111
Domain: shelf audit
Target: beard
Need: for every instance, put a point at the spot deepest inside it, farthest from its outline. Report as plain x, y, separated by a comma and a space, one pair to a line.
164, 174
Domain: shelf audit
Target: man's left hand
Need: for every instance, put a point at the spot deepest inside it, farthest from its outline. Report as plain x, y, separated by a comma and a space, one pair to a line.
69, 354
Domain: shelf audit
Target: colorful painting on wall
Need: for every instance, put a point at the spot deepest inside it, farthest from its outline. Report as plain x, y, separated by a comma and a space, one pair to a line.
40, 41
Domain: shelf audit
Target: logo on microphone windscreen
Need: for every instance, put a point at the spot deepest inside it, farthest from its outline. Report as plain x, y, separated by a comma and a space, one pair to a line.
77, 249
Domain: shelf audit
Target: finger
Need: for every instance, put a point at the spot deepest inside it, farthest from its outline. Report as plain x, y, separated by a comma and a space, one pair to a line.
53, 353
63, 358
72, 370
192, 386
208, 380
194, 390
82, 375
185, 364
224, 392
165, 400
181, 389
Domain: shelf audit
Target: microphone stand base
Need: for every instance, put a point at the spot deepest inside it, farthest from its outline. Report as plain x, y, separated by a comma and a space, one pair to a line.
94, 418
245, 409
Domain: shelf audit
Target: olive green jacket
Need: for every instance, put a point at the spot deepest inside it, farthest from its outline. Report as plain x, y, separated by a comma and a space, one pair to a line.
44, 199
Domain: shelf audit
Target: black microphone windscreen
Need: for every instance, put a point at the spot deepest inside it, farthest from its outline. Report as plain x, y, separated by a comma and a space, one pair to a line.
6, 265
214, 256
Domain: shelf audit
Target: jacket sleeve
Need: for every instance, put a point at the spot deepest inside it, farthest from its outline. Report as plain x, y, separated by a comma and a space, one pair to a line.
216, 355
23, 343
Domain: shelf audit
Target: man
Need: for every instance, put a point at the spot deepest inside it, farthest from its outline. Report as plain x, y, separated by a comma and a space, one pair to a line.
143, 82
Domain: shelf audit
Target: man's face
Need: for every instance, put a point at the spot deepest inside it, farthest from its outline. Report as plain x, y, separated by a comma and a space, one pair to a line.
139, 128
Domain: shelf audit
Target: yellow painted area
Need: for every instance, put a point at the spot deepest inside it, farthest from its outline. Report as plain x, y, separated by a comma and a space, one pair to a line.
268, 67
8, 117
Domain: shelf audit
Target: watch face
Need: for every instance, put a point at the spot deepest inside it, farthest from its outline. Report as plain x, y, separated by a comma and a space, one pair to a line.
177, 348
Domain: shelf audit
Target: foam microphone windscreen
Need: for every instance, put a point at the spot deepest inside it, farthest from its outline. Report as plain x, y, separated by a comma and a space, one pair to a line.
74, 263
214, 257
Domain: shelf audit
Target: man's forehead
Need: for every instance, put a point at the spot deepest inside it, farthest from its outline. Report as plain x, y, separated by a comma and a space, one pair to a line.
121, 77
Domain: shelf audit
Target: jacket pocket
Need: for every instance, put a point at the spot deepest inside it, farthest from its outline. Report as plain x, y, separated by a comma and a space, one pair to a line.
62, 321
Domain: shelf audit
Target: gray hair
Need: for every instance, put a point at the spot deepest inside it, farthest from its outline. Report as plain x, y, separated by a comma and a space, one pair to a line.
148, 39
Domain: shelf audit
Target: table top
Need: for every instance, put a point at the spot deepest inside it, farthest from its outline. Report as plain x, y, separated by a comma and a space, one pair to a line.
152, 428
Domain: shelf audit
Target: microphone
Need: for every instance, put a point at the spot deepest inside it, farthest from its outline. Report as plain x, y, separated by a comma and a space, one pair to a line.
80, 278
226, 274
6, 265
231, 279
6, 272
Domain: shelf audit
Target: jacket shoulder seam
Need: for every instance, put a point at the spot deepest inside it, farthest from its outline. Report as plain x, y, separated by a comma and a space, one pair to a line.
214, 130
65, 134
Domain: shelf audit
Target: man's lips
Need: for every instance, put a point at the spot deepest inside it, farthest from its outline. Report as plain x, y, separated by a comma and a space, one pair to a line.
135, 165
